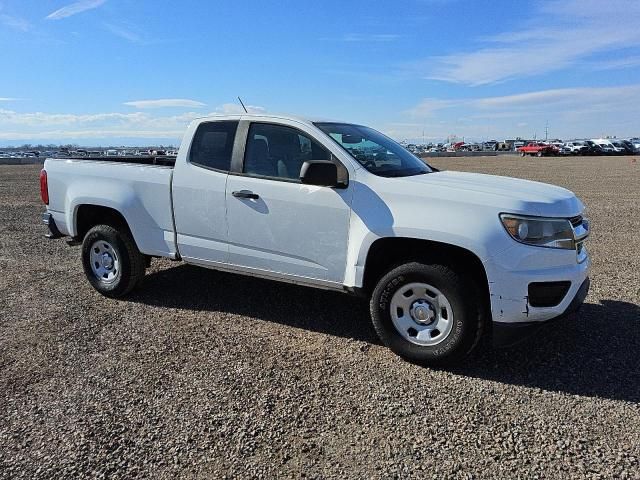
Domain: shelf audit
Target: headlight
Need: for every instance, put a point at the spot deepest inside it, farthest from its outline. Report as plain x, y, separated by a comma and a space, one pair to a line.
538, 231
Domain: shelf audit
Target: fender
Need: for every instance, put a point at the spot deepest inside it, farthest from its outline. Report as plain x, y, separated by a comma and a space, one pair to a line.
142, 198
383, 214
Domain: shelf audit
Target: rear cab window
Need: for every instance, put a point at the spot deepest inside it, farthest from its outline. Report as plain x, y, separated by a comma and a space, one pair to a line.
212, 145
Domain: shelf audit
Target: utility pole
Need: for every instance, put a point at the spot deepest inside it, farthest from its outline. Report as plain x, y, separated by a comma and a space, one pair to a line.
546, 131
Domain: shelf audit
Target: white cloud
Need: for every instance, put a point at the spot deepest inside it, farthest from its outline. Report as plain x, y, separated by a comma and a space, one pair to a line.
123, 32
16, 23
165, 102
75, 8
564, 97
365, 37
75, 135
7, 99
572, 112
370, 37
429, 106
582, 97
67, 126
617, 63
233, 108
559, 36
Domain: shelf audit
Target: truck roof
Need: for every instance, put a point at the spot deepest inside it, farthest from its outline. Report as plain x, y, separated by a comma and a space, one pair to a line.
266, 116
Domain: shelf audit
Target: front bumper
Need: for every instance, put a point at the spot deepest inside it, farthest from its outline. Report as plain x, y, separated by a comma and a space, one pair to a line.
511, 273
505, 334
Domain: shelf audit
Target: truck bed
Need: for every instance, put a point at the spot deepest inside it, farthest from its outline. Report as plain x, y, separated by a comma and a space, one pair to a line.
139, 188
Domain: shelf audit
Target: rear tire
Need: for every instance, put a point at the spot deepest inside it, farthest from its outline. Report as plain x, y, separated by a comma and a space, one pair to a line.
427, 313
111, 260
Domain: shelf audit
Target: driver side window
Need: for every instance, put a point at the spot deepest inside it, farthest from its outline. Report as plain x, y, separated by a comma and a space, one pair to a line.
278, 151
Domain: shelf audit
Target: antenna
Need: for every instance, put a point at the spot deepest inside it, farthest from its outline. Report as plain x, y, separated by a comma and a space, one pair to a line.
245, 108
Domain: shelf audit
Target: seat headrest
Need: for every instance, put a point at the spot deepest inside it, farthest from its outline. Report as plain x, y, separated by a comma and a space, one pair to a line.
285, 143
259, 147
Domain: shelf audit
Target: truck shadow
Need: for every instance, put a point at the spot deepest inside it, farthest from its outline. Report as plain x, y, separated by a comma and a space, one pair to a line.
595, 354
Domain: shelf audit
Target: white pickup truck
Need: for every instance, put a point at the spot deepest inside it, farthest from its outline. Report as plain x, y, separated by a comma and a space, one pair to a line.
443, 257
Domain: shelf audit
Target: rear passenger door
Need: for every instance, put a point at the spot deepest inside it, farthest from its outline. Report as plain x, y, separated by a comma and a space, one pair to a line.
199, 184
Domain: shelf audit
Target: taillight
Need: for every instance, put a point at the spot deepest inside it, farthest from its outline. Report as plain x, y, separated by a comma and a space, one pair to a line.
44, 187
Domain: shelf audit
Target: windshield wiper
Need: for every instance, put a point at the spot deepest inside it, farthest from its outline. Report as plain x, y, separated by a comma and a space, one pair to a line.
396, 174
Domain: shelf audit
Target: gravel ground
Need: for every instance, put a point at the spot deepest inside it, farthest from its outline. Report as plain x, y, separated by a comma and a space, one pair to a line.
201, 374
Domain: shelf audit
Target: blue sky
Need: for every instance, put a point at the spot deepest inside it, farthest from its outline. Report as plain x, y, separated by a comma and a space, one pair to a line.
136, 72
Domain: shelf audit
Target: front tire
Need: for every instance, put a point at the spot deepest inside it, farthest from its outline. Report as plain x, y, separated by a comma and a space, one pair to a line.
427, 313
112, 262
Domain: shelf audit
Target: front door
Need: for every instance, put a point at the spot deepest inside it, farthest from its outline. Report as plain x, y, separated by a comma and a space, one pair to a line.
278, 224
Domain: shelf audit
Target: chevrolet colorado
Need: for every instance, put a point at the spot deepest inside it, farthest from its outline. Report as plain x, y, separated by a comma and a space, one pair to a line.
442, 257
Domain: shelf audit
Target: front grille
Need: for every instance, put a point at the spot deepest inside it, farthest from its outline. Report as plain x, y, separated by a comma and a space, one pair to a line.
575, 221
547, 294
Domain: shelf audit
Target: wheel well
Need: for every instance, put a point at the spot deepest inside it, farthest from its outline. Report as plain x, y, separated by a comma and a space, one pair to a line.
89, 216
387, 253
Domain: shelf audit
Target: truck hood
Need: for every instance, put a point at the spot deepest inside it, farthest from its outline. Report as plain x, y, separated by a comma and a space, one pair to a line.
504, 193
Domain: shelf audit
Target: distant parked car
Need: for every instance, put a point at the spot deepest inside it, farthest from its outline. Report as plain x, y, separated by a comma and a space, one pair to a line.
576, 148
593, 149
539, 149
607, 146
618, 149
623, 147
562, 148
489, 146
633, 145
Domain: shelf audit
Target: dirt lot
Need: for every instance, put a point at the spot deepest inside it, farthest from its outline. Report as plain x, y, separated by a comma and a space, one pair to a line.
201, 374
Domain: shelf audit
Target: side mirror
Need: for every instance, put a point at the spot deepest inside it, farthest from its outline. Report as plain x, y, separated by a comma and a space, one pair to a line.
323, 173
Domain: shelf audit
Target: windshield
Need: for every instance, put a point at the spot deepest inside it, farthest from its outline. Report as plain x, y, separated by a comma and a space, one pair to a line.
374, 151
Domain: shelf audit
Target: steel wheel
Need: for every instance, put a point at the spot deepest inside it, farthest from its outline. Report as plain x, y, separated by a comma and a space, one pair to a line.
421, 314
104, 260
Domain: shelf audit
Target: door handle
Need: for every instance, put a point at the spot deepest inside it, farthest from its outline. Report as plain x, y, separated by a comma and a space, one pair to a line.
246, 194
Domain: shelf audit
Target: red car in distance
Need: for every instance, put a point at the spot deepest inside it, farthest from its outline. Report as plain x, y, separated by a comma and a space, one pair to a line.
538, 149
